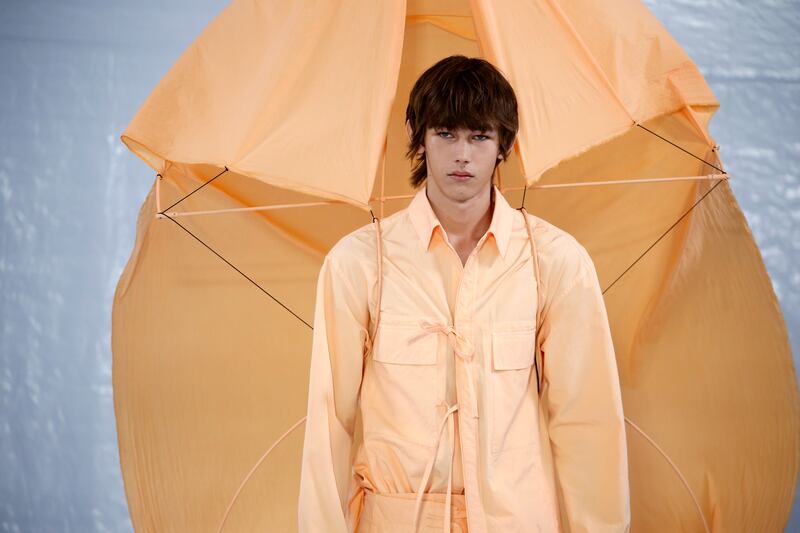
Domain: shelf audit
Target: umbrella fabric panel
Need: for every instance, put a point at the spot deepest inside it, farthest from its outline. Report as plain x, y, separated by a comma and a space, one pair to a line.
708, 374
296, 224
212, 108
269, 83
208, 371
583, 73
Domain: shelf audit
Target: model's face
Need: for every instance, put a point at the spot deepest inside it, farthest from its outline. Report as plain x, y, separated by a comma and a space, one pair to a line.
460, 162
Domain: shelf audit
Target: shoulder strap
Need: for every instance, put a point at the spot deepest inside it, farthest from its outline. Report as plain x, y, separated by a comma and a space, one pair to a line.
376, 222
538, 360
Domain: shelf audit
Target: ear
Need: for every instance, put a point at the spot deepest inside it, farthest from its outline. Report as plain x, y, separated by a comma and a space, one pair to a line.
408, 133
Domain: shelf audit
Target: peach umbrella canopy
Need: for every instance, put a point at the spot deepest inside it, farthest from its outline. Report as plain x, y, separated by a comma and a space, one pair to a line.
281, 127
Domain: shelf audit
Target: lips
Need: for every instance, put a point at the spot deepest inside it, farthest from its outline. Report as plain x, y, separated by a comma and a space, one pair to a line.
461, 176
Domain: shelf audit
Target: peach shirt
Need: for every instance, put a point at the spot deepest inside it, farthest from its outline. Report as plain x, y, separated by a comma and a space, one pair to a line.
455, 346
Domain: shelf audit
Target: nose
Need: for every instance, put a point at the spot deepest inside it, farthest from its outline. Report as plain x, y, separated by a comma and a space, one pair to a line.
463, 151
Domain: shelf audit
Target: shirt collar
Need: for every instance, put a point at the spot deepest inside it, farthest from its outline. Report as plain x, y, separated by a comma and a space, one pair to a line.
425, 222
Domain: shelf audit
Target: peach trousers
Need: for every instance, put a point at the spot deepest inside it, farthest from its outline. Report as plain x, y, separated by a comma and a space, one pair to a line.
393, 513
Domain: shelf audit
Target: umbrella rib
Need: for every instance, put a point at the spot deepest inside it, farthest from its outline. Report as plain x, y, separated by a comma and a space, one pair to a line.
674, 467
164, 214
237, 270
524, 191
382, 199
253, 470
664, 234
197, 189
630, 181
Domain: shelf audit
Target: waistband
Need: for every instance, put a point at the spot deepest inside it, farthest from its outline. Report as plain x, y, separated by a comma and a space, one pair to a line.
394, 513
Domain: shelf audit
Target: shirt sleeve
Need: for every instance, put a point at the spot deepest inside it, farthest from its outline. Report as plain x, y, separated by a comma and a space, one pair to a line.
341, 318
585, 417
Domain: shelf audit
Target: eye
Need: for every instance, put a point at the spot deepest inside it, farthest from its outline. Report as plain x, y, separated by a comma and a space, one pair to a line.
442, 132
484, 137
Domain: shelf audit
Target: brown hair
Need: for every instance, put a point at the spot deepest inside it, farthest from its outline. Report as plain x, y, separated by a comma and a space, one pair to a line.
460, 92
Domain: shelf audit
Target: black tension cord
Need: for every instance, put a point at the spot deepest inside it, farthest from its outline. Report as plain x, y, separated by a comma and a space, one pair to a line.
524, 191
683, 149
677, 221
237, 270
194, 191
663, 234
665, 140
163, 212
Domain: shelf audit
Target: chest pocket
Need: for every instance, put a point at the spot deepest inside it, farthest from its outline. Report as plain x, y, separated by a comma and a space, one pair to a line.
401, 391
514, 420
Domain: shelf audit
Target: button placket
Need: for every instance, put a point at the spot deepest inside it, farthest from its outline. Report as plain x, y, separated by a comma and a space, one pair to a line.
465, 314
468, 397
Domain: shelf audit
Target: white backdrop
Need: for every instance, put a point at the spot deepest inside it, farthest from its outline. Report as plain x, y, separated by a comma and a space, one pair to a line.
72, 74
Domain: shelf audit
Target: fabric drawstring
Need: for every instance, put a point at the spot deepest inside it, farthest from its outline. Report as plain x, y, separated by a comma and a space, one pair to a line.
464, 349
463, 346
448, 417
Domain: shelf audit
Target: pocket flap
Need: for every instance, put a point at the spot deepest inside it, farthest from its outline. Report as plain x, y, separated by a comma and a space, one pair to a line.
405, 345
513, 350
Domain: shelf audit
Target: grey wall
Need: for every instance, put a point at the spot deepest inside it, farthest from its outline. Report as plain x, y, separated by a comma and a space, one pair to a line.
72, 74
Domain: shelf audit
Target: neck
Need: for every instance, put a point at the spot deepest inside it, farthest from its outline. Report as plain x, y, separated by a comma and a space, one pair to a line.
463, 220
